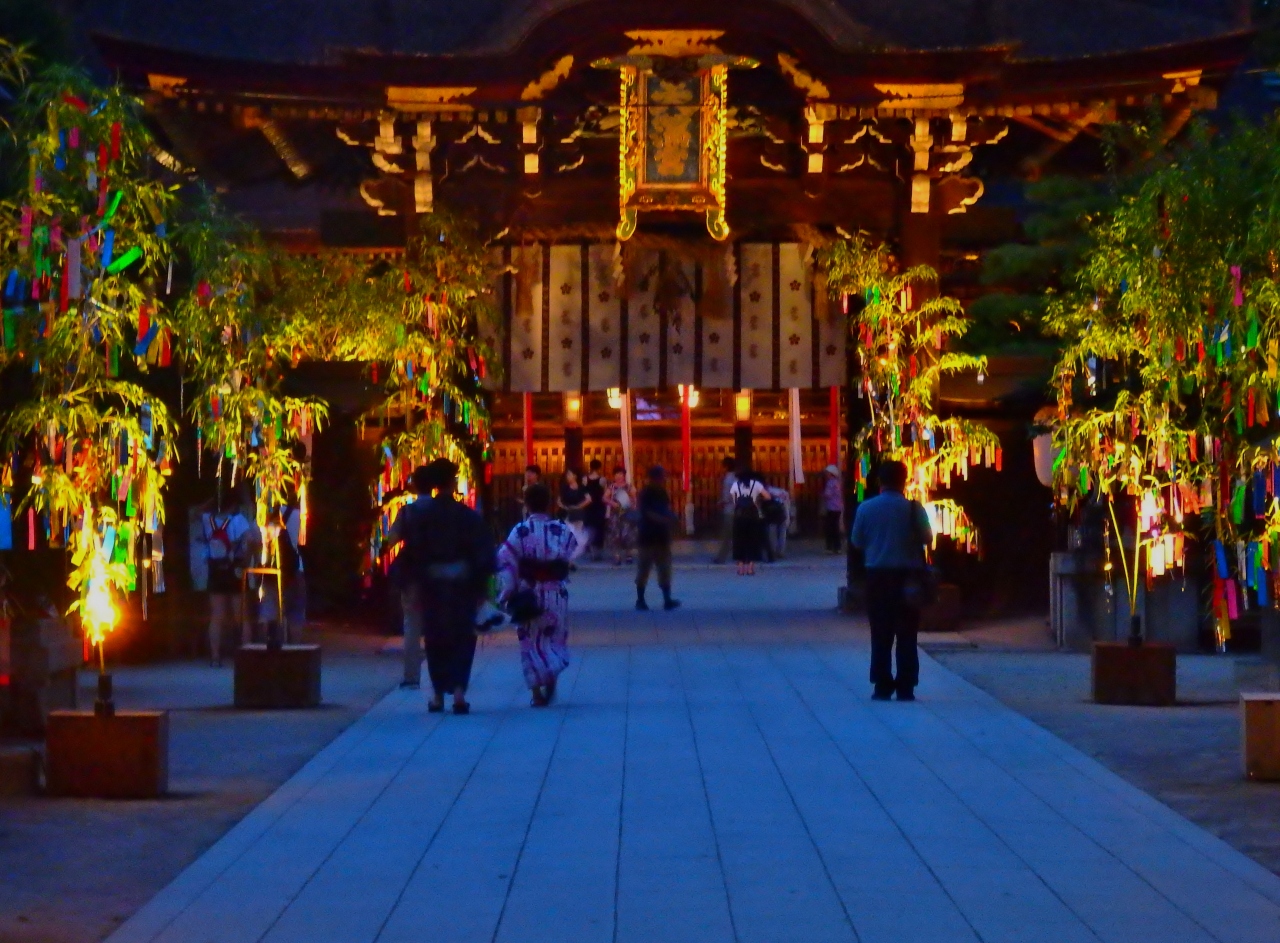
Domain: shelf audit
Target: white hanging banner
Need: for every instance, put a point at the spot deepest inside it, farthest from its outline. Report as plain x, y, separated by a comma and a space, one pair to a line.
526, 319
794, 438
564, 351
832, 335
795, 311
644, 332
491, 327
757, 316
605, 317
681, 328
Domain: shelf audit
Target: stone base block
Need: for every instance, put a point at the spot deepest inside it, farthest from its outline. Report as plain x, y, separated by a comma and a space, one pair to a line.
285, 677
1260, 725
944, 614
19, 771
1145, 675
125, 756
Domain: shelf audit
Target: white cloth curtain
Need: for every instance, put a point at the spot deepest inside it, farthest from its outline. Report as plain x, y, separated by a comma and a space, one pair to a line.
793, 439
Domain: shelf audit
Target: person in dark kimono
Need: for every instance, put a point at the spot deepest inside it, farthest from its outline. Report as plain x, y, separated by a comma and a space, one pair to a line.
453, 558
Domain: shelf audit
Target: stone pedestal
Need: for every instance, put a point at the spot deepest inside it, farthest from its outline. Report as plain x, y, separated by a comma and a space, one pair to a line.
124, 756
19, 771
1260, 726
1145, 675
267, 678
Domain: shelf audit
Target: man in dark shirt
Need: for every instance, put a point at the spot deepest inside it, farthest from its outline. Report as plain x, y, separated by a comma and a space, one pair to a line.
451, 552
653, 538
596, 512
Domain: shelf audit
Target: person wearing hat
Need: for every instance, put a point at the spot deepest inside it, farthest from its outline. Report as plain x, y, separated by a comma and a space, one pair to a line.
451, 558
832, 509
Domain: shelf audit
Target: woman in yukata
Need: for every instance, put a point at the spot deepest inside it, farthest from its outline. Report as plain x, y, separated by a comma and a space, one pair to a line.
533, 573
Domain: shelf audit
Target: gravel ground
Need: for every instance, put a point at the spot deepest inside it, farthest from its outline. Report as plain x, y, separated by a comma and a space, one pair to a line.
1186, 756
74, 869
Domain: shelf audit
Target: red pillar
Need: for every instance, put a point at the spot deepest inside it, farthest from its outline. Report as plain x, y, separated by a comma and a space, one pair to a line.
833, 447
686, 440
528, 429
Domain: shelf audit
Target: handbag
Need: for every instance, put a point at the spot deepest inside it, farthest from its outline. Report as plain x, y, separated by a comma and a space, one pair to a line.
920, 587
523, 606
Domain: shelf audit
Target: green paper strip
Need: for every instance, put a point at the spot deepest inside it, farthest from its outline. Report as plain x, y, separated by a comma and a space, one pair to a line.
124, 261
115, 205
1237, 505
1084, 480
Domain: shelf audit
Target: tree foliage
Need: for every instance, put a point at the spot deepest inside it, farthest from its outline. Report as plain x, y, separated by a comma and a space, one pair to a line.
1167, 383
903, 328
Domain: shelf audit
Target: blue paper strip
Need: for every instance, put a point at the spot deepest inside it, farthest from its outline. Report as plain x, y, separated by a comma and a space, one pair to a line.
1221, 553
6, 523
144, 342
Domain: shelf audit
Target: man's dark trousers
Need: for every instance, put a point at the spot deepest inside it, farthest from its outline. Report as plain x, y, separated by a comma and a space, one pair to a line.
892, 620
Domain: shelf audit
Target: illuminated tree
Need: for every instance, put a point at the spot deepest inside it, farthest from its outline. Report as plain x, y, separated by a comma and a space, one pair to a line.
86, 262
1167, 382
901, 327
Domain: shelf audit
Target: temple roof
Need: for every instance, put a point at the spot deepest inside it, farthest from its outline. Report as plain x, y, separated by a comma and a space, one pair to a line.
314, 31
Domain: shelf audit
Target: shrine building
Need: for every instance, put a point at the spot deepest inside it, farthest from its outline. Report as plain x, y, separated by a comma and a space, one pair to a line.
660, 174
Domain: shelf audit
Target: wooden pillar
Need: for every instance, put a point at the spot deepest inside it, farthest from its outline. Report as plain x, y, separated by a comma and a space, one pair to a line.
573, 448
742, 445
529, 458
833, 430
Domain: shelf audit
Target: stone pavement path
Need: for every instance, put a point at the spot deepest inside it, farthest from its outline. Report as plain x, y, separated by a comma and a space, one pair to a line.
716, 774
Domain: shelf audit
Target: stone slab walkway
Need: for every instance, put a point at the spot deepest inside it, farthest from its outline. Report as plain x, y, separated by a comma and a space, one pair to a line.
716, 774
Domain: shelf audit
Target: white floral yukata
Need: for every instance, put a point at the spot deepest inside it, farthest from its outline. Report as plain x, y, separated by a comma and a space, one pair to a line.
544, 642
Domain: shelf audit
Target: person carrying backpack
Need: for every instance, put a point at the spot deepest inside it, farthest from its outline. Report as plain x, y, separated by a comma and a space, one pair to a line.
277, 625
224, 535
747, 495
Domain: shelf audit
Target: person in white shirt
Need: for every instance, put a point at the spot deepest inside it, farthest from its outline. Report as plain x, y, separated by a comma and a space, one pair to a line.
726, 512
225, 536
747, 494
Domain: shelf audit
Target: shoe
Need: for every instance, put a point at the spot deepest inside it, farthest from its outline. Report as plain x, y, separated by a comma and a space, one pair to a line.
410, 685
539, 699
435, 707
671, 604
461, 708
642, 605
907, 695
550, 690
882, 694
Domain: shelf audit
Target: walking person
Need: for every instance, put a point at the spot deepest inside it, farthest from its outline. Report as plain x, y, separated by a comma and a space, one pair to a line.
747, 495
401, 567
532, 476
653, 540
620, 500
777, 520
225, 537
533, 576
832, 509
574, 502
452, 556
892, 533
726, 510
596, 514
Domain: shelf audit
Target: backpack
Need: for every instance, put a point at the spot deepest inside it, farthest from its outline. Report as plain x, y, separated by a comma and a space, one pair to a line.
744, 506
218, 534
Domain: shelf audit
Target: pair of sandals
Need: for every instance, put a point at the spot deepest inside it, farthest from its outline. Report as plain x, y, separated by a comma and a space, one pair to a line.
436, 706
543, 695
